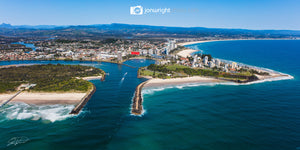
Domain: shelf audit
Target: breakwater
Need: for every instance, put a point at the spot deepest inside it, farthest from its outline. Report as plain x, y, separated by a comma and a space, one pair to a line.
137, 102
103, 77
83, 101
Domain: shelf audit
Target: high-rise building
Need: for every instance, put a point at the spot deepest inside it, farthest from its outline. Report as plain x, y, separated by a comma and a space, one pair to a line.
195, 59
233, 65
205, 60
211, 64
218, 62
226, 68
166, 51
150, 51
171, 45
119, 56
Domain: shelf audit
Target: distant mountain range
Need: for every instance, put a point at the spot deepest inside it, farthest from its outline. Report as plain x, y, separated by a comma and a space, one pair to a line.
116, 30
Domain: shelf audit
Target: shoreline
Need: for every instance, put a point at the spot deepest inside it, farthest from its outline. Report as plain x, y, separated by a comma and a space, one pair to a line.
204, 41
155, 82
45, 98
189, 51
91, 78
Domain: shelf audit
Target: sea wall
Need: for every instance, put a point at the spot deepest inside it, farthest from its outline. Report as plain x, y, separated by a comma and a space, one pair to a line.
83, 101
137, 102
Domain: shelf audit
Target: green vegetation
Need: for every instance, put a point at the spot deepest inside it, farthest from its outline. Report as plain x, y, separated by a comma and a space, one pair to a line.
48, 78
175, 70
259, 73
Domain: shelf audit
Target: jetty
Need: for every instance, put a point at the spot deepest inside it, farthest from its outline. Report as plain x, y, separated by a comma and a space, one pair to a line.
83, 101
7, 101
137, 102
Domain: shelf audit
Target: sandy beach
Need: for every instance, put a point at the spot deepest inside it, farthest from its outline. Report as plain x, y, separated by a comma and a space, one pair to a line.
195, 42
178, 81
187, 52
44, 98
92, 78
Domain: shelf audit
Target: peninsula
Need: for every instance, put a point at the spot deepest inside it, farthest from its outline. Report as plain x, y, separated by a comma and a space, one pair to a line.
47, 84
184, 66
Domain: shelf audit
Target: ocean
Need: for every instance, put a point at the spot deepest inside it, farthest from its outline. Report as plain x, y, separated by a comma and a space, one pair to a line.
258, 116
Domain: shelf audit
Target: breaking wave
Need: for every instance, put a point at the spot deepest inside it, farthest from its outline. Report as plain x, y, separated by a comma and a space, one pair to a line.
21, 111
17, 140
151, 90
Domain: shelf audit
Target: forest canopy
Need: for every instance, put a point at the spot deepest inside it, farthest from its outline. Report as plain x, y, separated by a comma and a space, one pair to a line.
48, 78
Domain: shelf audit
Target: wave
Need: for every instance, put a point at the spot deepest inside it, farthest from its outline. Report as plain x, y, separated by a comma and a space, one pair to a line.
17, 140
22, 111
151, 90
143, 112
287, 77
141, 115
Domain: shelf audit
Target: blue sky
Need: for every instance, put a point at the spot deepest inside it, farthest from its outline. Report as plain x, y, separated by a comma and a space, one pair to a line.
247, 14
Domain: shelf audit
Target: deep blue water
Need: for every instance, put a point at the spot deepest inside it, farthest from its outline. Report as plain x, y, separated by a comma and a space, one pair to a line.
256, 116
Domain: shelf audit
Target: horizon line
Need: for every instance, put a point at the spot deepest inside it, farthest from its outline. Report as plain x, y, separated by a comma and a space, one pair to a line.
147, 25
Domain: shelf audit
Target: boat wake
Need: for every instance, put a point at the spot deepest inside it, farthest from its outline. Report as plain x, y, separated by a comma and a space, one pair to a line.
22, 111
122, 80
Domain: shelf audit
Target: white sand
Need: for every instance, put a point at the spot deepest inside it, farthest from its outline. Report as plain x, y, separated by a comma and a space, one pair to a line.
195, 42
176, 81
92, 77
187, 52
44, 98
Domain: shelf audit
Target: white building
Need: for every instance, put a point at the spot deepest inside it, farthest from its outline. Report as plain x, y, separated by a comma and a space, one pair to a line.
218, 62
150, 51
119, 56
205, 60
233, 65
211, 64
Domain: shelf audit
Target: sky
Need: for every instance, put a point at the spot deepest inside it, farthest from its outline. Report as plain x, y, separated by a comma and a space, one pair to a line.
245, 14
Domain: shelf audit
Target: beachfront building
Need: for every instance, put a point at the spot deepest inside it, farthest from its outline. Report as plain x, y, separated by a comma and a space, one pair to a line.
233, 65
171, 45
205, 60
218, 62
211, 64
226, 68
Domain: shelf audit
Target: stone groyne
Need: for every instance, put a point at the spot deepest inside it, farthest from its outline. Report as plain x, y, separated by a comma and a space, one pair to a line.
103, 77
137, 102
83, 101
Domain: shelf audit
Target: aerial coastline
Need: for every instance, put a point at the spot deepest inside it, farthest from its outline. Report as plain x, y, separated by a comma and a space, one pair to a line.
48, 84
169, 76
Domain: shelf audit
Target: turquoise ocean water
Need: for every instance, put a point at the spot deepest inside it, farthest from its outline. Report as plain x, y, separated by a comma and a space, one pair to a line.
259, 116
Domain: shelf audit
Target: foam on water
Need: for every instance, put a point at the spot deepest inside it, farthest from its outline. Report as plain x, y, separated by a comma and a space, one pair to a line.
21, 111
287, 77
151, 90
141, 115
17, 140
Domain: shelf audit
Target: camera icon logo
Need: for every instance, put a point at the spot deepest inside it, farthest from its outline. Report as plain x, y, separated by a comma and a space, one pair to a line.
136, 10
